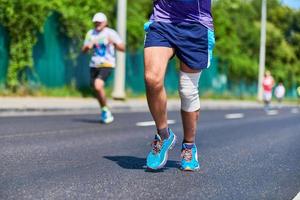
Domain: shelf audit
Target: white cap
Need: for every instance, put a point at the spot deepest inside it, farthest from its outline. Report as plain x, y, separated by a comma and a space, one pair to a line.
99, 17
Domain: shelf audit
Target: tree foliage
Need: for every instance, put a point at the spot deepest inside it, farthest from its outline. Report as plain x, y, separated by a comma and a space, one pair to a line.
237, 27
24, 19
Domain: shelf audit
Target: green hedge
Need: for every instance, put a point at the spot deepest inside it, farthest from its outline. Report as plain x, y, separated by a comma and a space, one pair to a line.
24, 19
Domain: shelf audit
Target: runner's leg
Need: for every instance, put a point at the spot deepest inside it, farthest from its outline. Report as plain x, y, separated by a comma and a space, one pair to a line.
189, 119
100, 92
156, 60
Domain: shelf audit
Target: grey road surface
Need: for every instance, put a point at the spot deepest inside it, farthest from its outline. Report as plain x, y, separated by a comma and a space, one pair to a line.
251, 155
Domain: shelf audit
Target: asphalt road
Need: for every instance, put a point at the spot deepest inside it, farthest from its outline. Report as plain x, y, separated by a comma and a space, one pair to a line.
74, 157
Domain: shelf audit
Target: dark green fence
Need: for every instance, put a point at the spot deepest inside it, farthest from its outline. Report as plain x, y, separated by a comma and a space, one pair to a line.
50, 67
53, 67
3, 54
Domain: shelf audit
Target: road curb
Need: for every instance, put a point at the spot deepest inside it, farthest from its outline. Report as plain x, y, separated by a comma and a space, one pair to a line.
51, 106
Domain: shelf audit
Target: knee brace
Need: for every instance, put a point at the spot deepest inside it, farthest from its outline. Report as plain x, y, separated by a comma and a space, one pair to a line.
188, 91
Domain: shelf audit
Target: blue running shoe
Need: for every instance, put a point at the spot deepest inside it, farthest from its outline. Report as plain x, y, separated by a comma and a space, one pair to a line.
106, 116
158, 156
189, 156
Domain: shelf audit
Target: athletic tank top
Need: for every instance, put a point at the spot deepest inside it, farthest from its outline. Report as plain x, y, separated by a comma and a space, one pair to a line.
176, 11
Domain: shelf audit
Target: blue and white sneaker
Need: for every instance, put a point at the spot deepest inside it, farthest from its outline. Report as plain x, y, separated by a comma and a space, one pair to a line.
106, 116
158, 156
189, 154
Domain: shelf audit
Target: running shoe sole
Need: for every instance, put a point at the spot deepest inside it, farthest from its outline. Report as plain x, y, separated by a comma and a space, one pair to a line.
108, 121
188, 169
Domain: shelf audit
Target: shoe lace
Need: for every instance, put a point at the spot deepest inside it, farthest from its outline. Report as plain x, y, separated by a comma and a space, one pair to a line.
156, 146
186, 154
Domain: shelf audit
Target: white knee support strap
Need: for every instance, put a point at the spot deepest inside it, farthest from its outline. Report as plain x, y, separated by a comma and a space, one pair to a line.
188, 91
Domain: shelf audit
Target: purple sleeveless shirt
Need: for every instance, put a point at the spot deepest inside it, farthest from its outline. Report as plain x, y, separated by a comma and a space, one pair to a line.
191, 11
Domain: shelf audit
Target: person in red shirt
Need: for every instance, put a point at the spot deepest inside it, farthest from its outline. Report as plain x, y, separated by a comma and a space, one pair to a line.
268, 84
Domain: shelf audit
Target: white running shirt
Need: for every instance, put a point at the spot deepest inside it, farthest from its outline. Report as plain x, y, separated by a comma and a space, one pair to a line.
104, 50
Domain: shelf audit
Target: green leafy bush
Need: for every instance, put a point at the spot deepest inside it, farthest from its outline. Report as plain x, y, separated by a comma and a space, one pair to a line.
24, 19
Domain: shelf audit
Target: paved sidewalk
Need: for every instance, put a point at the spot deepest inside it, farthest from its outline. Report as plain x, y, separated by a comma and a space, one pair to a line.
25, 105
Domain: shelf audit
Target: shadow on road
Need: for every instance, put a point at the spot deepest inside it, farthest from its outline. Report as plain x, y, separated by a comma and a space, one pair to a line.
131, 162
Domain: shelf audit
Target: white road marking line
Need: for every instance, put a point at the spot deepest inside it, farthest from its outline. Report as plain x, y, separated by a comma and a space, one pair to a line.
152, 123
272, 112
297, 197
234, 116
295, 110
